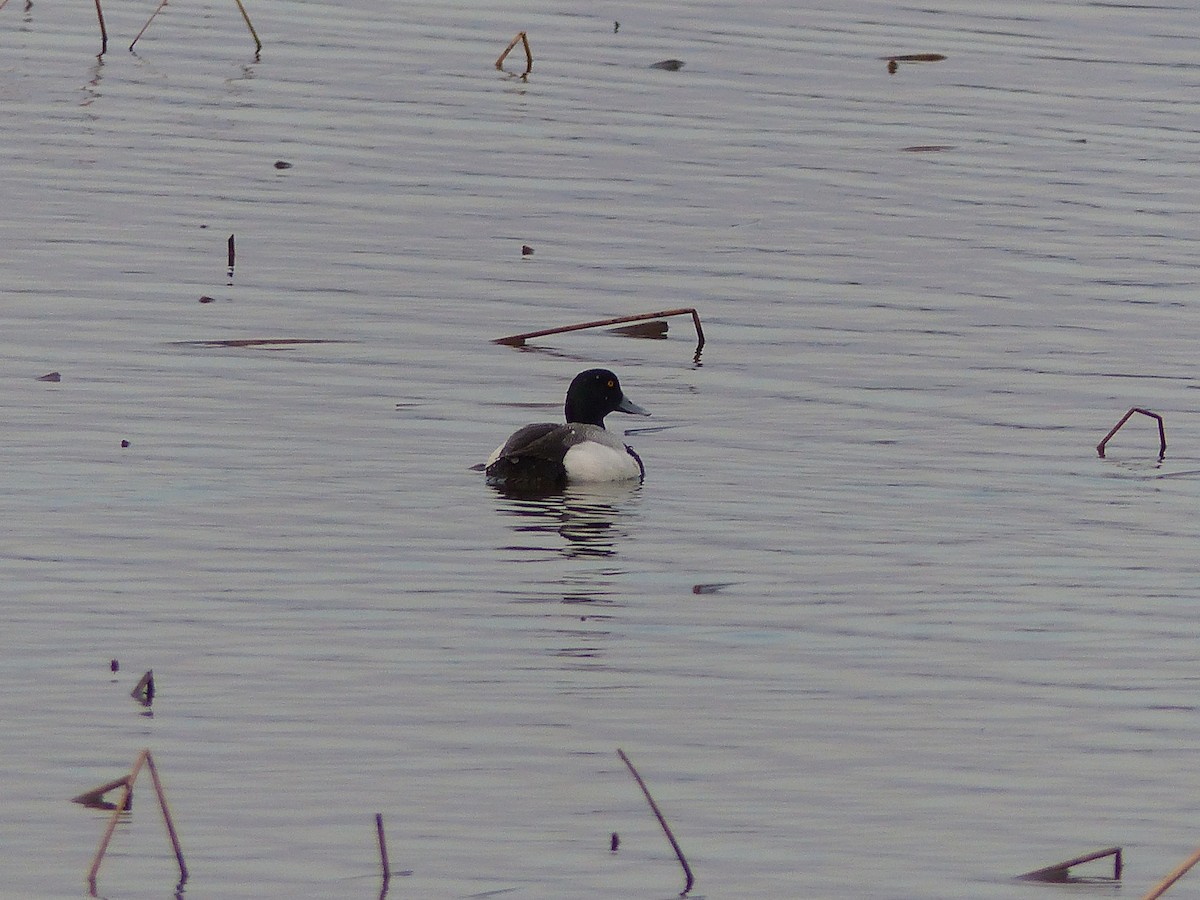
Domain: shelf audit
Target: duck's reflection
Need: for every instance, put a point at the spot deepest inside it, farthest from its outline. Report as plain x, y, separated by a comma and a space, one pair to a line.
587, 518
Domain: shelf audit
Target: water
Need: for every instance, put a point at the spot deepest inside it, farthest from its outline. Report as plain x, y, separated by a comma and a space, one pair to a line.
878, 624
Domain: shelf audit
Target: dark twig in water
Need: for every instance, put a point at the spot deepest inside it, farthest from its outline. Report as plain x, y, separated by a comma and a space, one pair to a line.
524, 40
383, 854
687, 871
1161, 888
1162, 434
144, 758
1060, 872
518, 340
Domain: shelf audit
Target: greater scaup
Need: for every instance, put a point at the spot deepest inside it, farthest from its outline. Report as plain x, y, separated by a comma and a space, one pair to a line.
547, 456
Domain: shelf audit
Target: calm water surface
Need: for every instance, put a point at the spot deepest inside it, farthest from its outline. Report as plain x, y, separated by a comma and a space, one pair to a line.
879, 624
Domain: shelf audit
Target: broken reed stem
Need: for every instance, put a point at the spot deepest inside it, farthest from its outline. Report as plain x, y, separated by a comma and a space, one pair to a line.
231, 254
245, 16
1059, 872
147, 25
162, 802
1161, 888
249, 24
518, 340
507, 50
383, 854
1162, 433
103, 30
144, 758
687, 871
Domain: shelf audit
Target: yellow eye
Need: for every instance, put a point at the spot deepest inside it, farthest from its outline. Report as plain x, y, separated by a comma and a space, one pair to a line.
611, 383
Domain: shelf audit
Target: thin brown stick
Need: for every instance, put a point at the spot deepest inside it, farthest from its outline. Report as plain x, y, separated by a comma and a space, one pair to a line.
147, 25
1162, 433
103, 30
518, 340
687, 870
249, 24
1060, 871
231, 255
524, 40
95, 797
1161, 888
162, 802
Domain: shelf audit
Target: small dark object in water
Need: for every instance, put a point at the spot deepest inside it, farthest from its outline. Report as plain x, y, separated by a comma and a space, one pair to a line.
892, 66
671, 65
231, 254
916, 57
616, 27
144, 692
206, 299
124, 444
614, 843
115, 666
282, 164
526, 250
51, 376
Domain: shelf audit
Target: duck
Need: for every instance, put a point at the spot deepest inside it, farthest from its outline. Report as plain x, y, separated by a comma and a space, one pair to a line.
548, 455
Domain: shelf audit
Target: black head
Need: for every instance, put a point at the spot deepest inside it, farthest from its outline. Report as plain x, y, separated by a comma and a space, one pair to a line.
594, 394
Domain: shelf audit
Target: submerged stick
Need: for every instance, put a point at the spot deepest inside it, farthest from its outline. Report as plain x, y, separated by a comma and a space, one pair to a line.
524, 40
1059, 872
687, 871
1162, 434
518, 340
1161, 888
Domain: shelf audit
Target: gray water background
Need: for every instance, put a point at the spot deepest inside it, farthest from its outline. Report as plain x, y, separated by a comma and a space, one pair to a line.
879, 624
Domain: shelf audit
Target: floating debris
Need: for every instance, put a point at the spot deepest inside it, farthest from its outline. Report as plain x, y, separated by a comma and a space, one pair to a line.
926, 148
114, 666
54, 377
670, 65
124, 446
268, 343
231, 253
526, 250
206, 299
915, 57
1059, 873
282, 164
518, 340
893, 62
614, 842
1162, 434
